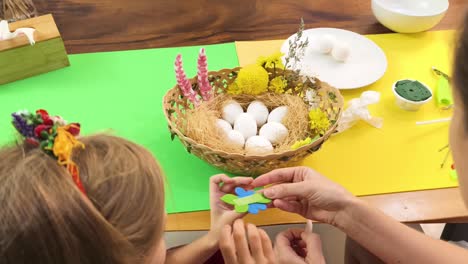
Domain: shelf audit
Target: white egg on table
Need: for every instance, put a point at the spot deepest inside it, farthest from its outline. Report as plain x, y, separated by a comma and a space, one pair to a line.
258, 111
246, 124
231, 111
326, 43
341, 52
258, 145
278, 114
224, 125
236, 138
273, 131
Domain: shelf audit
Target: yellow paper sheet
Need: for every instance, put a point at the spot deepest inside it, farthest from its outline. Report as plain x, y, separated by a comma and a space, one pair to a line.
401, 156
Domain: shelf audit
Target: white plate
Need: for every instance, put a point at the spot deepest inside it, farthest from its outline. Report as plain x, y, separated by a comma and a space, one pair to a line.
365, 65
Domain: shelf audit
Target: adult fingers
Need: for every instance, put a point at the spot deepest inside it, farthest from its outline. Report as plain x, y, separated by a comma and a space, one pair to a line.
227, 246
275, 176
298, 189
288, 206
243, 182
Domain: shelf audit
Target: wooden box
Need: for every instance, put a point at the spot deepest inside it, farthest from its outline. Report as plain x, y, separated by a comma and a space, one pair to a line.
19, 59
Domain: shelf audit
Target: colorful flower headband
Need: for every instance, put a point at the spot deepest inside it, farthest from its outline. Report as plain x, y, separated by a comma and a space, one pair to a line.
53, 135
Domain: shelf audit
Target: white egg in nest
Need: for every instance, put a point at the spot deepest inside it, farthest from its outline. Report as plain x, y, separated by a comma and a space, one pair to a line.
231, 111
224, 125
236, 138
273, 131
258, 111
278, 114
258, 145
246, 124
341, 52
326, 43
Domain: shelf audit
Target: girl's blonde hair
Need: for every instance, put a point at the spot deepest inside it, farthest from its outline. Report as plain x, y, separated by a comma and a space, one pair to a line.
44, 218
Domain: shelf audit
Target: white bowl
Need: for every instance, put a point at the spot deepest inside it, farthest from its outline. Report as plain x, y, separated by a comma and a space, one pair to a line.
409, 16
407, 104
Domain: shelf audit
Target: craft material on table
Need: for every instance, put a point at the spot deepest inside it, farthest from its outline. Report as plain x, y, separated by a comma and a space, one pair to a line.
121, 93
401, 156
19, 59
357, 63
358, 109
411, 94
443, 91
246, 201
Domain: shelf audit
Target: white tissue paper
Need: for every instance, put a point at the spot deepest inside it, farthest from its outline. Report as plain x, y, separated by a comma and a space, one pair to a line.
6, 34
357, 110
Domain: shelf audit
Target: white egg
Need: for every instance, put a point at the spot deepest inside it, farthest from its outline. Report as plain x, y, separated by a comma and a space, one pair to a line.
246, 124
258, 145
273, 131
326, 43
231, 111
236, 138
258, 111
224, 125
341, 52
278, 114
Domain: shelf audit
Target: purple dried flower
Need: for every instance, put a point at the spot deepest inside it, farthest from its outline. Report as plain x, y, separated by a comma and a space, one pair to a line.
20, 123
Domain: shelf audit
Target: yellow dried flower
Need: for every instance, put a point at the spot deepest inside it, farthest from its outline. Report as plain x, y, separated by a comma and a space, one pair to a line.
319, 121
278, 84
272, 61
251, 79
301, 143
233, 89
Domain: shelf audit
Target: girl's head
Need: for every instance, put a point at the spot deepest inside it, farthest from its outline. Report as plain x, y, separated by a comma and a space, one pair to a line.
46, 219
459, 125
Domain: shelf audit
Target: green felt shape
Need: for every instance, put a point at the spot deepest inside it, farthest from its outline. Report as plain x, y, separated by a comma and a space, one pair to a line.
121, 93
229, 199
412, 90
255, 198
444, 93
241, 208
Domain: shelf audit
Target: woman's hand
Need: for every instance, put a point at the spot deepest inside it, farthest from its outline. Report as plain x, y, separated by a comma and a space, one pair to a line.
241, 246
221, 213
304, 191
298, 246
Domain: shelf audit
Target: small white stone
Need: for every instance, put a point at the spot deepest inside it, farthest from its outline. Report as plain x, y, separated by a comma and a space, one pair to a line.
273, 131
258, 145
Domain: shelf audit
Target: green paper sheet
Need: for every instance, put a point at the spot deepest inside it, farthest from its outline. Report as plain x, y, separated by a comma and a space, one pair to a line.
121, 92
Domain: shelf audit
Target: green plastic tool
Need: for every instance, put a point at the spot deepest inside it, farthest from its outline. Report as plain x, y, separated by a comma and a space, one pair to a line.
444, 92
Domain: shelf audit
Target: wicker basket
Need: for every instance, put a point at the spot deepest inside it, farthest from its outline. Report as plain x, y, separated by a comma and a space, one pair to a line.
175, 104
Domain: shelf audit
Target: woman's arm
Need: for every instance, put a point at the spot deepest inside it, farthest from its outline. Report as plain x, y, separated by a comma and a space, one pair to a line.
392, 241
304, 191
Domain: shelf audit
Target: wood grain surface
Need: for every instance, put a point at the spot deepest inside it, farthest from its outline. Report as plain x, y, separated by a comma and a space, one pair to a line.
104, 25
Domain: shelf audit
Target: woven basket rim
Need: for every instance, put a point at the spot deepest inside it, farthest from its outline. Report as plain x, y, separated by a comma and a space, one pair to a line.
181, 136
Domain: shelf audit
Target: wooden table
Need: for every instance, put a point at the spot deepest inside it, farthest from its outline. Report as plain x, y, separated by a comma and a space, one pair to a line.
105, 25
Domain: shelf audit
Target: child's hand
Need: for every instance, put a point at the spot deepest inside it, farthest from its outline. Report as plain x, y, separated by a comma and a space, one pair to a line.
241, 245
221, 213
